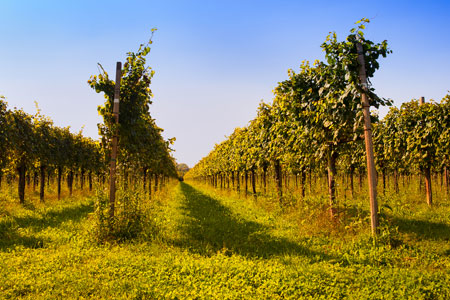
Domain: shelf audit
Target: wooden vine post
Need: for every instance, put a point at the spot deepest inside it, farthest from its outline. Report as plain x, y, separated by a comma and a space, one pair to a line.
114, 145
371, 173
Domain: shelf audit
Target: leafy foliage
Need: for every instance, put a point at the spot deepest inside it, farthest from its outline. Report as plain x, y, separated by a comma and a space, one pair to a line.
32, 141
316, 116
140, 142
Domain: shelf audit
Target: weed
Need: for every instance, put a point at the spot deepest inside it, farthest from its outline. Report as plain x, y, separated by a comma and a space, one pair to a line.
129, 222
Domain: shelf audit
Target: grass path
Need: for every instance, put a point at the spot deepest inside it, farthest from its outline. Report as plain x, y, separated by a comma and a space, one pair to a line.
210, 224
206, 246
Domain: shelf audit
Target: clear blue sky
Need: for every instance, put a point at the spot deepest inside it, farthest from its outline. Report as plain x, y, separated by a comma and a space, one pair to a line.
214, 60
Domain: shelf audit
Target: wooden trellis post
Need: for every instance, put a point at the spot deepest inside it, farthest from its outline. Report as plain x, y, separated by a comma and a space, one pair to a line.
371, 172
114, 145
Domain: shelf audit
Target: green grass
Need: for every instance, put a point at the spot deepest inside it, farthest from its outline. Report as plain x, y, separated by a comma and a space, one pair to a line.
209, 244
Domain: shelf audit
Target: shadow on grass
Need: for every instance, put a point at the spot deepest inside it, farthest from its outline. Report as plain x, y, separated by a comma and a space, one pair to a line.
424, 229
212, 227
10, 235
53, 218
11, 239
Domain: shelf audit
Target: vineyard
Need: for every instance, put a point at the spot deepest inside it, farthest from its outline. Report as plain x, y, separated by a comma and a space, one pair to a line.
36, 150
314, 128
317, 198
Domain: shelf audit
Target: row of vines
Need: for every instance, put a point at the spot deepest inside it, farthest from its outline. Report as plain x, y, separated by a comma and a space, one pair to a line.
32, 147
315, 126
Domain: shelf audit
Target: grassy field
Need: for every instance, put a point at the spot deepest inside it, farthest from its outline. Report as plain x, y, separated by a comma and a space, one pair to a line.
200, 243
